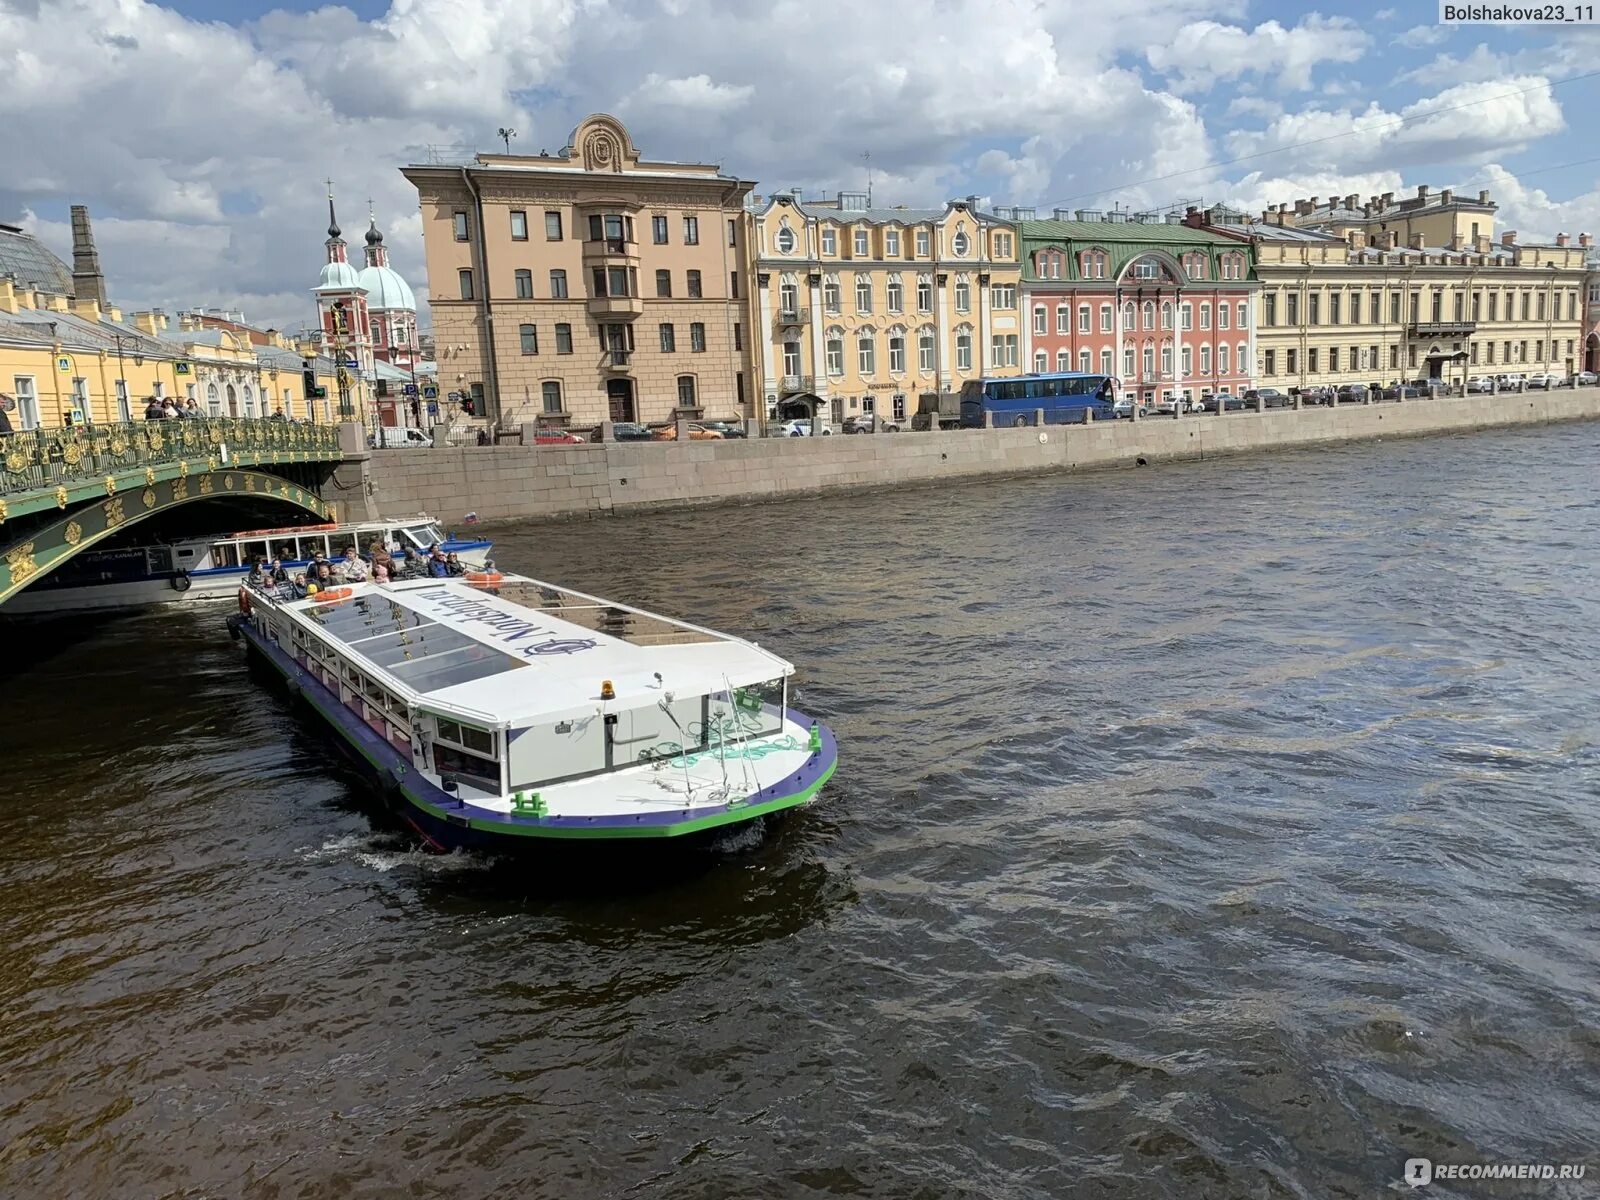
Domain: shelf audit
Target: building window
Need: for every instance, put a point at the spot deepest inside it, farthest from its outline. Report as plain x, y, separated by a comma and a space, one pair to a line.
1244, 316
1085, 361
1002, 245
1041, 318
1127, 361
1166, 314
733, 285
861, 244
1291, 361
1003, 295
834, 351
830, 295
1242, 357
891, 243
669, 338
1272, 309
1166, 361
960, 245
1083, 319
563, 339
1222, 359
1105, 362
1333, 358
1186, 316
1093, 263
1269, 360
733, 231
551, 392
694, 285
1003, 350
964, 351
924, 294
866, 353
552, 226
465, 279
863, 294
1355, 308
462, 230
1130, 317
897, 354
1149, 358
524, 282
519, 225
830, 240
1149, 314
925, 350
691, 231
1186, 361
923, 243
1222, 315
697, 337
789, 298
1205, 316
686, 391
1041, 361
963, 296
896, 292
530, 338
785, 241
663, 284
1105, 318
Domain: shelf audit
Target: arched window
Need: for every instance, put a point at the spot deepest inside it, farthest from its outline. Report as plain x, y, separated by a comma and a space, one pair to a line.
686, 391
1064, 319
866, 352
1063, 360
1041, 361
1222, 358
831, 293
964, 347
897, 351
1084, 361
789, 296
896, 291
249, 401
213, 400
1166, 314
1149, 359
1166, 360
925, 349
834, 350
1149, 314
1130, 319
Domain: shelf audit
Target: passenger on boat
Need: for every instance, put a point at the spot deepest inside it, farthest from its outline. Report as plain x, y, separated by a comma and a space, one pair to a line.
438, 567
379, 554
351, 567
277, 573
300, 587
380, 573
454, 564
259, 572
324, 577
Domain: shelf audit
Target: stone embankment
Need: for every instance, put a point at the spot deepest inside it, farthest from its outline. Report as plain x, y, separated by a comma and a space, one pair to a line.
504, 482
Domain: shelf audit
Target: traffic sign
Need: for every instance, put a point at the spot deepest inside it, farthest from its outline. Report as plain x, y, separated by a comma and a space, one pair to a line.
430, 391
409, 389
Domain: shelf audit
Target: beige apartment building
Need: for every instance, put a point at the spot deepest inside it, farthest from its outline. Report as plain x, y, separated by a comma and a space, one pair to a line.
865, 309
1379, 291
568, 288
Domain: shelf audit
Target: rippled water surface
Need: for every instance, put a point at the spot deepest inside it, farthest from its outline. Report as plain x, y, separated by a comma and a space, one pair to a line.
1225, 829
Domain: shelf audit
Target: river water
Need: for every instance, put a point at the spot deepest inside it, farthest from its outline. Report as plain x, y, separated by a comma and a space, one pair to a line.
1221, 829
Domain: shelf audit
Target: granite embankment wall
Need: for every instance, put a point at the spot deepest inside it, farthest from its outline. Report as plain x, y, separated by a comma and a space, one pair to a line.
503, 482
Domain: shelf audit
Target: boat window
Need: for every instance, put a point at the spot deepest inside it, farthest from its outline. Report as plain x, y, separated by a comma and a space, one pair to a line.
756, 711
418, 538
224, 554
466, 736
185, 553
435, 534
448, 761
253, 550
374, 692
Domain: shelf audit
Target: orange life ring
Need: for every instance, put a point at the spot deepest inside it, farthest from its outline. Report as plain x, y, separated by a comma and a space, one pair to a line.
333, 594
244, 600
482, 576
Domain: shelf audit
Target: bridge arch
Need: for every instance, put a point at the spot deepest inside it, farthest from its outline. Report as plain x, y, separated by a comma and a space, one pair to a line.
29, 557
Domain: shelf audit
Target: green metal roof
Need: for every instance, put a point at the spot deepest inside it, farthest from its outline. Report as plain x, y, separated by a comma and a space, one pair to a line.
1124, 241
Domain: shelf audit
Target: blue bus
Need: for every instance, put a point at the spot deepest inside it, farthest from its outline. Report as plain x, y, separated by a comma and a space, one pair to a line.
1064, 396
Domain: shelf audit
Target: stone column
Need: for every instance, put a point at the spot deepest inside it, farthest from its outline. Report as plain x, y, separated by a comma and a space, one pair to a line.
683, 429
608, 430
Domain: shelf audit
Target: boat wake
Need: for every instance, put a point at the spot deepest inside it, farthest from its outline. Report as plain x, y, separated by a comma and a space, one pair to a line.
385, 853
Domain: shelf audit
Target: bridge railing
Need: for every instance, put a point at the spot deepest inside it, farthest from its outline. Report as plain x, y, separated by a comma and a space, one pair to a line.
40, 458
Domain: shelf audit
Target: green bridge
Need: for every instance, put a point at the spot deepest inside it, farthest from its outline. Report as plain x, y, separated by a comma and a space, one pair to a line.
63, 490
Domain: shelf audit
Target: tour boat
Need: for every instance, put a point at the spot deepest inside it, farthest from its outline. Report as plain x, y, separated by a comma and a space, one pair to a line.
499, 711
213, 567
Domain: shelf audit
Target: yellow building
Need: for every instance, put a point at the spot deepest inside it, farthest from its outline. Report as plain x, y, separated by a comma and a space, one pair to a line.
1380, 291
868, 309
592, 283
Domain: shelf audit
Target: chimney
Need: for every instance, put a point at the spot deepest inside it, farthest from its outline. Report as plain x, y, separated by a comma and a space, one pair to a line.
1457, 242
1388, 199
1063, 214
1447, 196
87, 281
1391, 239
1563, 240
1483, 196
1352, 200
1508, 238
1422, 192
1585, 241
8, 297
1302, 207
1416, 241
1482, 244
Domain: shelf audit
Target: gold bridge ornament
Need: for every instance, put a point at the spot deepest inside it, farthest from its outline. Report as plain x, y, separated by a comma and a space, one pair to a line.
71, 453
207, 485
22, 563
148, 496
156, 441
61, 496
17, 461
113, 511
149, 477
111, 485
180, 489
74, 533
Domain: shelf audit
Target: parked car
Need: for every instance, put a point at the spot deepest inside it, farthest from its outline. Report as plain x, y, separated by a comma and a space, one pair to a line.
1403, 391
1221, 402
557, 437
870, 423
1423, 386
1543, 380
697, 433
797, 428
1479, 383
1316, 394
1270, 398
1352, 393
1585, 379
1508, 383
1123, 407
728, 429
1171, 404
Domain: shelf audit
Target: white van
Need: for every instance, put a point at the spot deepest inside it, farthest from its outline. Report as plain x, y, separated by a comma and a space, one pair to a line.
401, 437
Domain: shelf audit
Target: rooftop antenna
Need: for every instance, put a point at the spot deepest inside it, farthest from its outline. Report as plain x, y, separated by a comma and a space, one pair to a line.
866, 157
506, 134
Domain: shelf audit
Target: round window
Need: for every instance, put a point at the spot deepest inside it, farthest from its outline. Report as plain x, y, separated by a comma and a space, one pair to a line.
961, 243
786, 241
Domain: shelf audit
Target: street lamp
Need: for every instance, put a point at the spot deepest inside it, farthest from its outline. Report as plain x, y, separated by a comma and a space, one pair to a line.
505, 136
126, 399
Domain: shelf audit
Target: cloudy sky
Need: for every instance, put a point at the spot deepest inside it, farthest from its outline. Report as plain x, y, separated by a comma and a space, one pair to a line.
199, 131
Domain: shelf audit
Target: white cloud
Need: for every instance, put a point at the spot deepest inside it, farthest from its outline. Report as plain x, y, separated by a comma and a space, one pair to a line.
1422, 35
697, 93
1204, 52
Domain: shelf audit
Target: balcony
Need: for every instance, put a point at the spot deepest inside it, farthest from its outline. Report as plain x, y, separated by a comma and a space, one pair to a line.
791, 316
616, 306
789, 384
617, 360
614, 252
1450, 329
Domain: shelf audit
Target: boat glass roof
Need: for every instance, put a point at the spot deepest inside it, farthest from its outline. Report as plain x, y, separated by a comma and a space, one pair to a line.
628, 625
419, 652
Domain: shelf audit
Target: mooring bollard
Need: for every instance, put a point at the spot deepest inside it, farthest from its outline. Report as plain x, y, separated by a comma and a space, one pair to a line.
1038, 416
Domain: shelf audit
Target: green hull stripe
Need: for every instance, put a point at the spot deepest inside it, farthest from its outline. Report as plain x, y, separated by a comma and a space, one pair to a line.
733, 816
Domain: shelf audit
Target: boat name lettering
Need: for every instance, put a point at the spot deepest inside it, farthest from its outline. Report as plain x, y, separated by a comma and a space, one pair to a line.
512, 628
